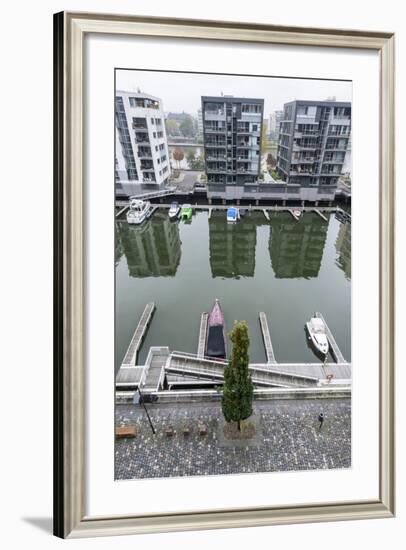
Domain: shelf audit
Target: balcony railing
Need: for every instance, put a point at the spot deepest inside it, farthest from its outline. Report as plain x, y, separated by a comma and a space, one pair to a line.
214, 130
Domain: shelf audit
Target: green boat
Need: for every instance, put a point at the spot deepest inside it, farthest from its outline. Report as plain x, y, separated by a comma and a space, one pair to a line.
186, 212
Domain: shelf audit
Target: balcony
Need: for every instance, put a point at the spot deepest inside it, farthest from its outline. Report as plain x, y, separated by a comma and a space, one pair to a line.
302, 147
216, 157
308, 160
246, 171
215, 130
344, 120
301, 173
145, 165
141, 137
148, 178
144, 153
306, 133
333, 161
217, 167
214, 115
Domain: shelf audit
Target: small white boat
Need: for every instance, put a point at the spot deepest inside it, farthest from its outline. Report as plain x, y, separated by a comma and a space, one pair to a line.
297, 213
317, 334
233, 214
139, 211
174, 210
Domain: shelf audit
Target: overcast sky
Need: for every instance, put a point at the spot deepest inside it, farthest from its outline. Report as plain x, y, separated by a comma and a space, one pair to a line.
182, 92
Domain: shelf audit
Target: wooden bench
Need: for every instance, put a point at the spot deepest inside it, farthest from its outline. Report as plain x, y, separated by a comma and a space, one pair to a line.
169, 432
126, 431
202, 429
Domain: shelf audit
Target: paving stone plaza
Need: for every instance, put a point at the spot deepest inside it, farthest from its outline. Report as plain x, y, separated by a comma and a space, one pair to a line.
288, 438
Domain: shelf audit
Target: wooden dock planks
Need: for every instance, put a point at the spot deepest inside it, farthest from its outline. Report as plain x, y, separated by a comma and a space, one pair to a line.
322, 216
130, 357
202, 334
270, 356
338, 356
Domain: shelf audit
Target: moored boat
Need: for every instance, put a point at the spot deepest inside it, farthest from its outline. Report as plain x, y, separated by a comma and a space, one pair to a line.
186, 212
174, 210
139, 211
216, 343
233, 214
317, 334
297, 213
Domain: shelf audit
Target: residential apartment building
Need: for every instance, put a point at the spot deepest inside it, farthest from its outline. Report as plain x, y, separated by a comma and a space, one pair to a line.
232, 131
274, 122
142, 155
313, 142
199, 124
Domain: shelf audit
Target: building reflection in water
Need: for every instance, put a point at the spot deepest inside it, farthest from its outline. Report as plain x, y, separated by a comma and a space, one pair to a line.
296, 247
343, 248
232, 246
152, 249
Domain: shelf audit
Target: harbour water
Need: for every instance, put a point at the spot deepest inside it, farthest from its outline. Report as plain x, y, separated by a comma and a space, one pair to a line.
289, 269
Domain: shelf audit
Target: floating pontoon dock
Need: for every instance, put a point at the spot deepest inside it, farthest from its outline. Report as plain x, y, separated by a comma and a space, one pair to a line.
164, 368
267, 338
130, 357
202, 334
322, 216
336, 352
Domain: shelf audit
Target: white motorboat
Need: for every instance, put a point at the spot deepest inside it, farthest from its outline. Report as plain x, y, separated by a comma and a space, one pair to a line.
297, 213
174, 210
139, 211
317, 334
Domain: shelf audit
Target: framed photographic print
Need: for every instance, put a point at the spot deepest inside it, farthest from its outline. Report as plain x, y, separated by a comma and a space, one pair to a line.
224, 290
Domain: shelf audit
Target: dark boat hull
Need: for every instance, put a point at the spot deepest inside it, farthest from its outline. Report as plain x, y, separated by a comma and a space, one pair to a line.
216, 343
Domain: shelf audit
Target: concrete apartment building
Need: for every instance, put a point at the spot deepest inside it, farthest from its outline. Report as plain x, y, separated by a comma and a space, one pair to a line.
142, 157
199, 124
274, 121
313, 143
232, 132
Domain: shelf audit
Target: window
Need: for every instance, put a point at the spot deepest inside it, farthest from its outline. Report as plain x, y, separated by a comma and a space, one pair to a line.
302, 110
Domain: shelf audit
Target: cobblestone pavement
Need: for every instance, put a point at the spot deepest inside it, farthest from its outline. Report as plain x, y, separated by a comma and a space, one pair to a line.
290, 439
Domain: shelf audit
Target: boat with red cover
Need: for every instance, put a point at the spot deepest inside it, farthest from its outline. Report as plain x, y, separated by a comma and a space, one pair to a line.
216, 344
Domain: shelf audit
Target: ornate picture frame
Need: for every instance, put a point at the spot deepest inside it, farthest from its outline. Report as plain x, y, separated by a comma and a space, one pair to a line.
70, 519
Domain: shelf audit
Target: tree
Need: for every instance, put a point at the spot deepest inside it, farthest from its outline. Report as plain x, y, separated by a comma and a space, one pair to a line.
238, 389
172, 127
187, 126
264, 143
178, 155
190, 157
270, 160
198, 163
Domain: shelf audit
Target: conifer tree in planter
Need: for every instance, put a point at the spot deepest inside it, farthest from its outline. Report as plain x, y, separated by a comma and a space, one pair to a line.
238, 388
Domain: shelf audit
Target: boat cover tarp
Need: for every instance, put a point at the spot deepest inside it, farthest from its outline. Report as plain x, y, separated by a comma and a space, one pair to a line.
215, 342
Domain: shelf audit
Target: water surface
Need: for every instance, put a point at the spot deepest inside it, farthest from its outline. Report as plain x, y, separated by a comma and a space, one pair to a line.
286, 268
